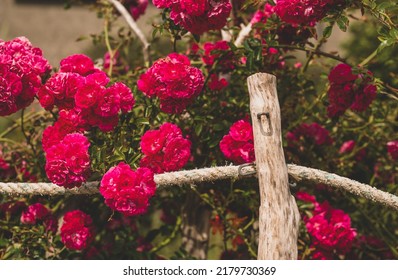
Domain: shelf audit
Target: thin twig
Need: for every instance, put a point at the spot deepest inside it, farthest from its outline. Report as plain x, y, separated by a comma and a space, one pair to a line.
27, 137
133, 25
309, 50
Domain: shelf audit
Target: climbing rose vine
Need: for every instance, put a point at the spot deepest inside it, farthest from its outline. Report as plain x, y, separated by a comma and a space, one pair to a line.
176, 98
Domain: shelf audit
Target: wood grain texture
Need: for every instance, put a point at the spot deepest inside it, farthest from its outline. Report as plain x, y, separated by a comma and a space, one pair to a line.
279, 216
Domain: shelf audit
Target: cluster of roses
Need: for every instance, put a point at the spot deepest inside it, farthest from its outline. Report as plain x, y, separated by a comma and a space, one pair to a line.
349, 91
329, 228
165, 149
126, 190
22, 68
288, 32
218, 52
306, 12
238, 145
313, 133
197, 16
80, 88
173, 81
12, 171
79, 91
38, 213
76, 231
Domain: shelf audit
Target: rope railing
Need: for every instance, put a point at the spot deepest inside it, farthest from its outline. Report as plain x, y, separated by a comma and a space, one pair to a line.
187, 177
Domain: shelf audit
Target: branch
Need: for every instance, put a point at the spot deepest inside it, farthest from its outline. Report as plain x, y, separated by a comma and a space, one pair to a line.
186, 177
313, 51
133, 25
244, 32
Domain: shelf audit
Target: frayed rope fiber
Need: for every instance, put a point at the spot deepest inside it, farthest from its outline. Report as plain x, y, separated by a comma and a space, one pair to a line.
298, 173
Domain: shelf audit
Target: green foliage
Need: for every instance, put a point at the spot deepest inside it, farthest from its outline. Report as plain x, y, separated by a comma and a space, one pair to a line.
302, 93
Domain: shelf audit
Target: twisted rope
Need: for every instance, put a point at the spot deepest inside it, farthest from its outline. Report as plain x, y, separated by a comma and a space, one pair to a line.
298, 173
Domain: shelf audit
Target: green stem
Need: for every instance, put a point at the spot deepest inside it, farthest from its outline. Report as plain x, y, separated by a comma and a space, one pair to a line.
17, 123
369, 58
317, 48
9, 141
169, 239
27, 137
108, 47
228, 225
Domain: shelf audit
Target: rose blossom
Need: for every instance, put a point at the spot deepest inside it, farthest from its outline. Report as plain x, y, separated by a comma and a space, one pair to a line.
165, 149
22, 67
77, 230
219, 52
392, 148
197, 16
313, 132
126, 190
215, 83
304, 11
174, 81
349, 91
68, 162
331, 229
39, 213
238, 145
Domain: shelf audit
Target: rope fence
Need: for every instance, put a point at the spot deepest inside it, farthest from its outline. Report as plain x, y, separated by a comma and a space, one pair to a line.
187, 177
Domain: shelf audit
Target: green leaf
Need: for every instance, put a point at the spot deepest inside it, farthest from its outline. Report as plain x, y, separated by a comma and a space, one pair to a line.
142, 121
196, 37
218, 127
386, 5
198, 129
342, 23
327, 31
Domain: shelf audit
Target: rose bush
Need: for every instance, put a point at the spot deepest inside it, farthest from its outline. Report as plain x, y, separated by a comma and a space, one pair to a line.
184, 105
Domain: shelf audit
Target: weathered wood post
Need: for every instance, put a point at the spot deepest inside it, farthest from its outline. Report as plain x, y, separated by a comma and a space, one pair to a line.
279, 216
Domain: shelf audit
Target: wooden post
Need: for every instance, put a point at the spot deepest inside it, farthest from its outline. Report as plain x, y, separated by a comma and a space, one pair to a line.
195, 226
279, 216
